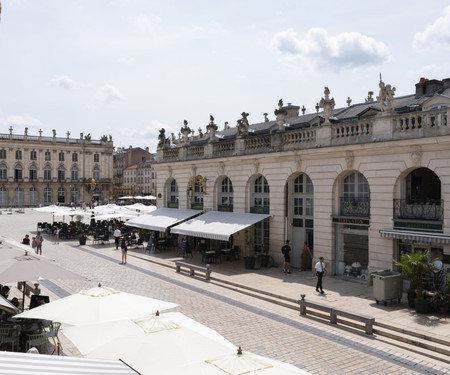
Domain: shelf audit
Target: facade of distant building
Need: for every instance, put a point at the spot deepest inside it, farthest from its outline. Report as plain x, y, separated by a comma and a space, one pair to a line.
53, 170
361, 184
146, 178
122, 159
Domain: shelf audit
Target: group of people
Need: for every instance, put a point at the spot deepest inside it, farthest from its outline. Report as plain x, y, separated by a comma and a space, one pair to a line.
319, 268
36, 242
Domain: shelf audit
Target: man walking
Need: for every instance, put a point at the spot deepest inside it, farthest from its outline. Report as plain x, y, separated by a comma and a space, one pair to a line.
39, 239
319, 270
117, 235
286, 251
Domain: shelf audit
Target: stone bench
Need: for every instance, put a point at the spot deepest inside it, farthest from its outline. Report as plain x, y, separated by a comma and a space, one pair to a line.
192, 268
334, 313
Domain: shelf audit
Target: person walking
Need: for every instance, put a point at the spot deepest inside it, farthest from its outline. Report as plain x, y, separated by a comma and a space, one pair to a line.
56, 232
39, 239
305, 252
286, 251
124, 247
319, 270
34, 245
117, 235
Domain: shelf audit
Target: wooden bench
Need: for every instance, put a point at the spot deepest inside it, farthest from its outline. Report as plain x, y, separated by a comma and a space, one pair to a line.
192, 268
334, 313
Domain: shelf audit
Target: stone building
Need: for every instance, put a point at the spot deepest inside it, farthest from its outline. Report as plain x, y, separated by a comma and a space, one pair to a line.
48, 170
360, 184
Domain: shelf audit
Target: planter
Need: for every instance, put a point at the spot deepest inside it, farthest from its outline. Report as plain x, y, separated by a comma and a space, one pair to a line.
411, 301
442, 310
82, 240
423, 307
249, 263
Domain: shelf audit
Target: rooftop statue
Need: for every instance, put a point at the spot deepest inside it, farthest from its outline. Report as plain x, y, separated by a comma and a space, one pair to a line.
385, 97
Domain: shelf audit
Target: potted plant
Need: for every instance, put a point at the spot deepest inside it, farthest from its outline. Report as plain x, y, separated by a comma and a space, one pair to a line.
80, 231
440, 301
250, 258
414, 266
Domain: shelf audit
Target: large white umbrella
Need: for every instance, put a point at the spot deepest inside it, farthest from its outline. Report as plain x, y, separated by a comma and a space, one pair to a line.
29, 268
128, 215
7, 306
139, 207
97, 305
152, 344
236, 363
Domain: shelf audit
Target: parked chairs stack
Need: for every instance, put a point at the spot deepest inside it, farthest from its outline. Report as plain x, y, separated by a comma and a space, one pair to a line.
39, 341
52, 332
9, 336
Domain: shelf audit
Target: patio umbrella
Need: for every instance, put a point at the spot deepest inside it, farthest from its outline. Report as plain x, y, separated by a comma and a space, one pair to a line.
97, 305
29, 268
152, 344
7, 306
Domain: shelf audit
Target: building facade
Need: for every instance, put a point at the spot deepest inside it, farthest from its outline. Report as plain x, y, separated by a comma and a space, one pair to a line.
360, 184
44, 170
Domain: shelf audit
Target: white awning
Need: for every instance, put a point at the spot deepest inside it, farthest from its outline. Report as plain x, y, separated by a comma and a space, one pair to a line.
34, 364
7, 306
218, 225
422, 237
161, 219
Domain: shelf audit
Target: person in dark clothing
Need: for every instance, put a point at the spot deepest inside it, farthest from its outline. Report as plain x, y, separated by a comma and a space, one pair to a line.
320, 270
286, 250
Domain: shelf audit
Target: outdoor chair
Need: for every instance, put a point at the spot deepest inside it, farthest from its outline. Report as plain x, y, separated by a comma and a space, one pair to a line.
52, 332
38, 340
140, 242
8, 335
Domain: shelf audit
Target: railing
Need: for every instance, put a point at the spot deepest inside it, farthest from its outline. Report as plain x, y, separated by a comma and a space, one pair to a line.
170, 154
300, 136
419, 120
355, 207
195, 152
259, 210
352, 129
172, 204
254, 143
430, 209
225, 148
196, 206
225, 207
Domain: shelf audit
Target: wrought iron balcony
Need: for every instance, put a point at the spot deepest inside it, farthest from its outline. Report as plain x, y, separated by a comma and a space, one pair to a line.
359, 207
429, 209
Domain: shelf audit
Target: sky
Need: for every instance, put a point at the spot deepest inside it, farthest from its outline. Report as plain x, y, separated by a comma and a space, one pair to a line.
128, 68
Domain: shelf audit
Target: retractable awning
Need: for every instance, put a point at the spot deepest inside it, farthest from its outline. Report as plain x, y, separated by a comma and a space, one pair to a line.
162, 218
218, 225
27, 364
422, 237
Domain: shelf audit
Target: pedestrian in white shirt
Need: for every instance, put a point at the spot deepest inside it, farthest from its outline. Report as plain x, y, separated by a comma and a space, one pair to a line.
319, 270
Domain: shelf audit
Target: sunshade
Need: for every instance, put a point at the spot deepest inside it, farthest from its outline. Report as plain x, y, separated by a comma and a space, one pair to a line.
129, 215
233, 363
218, 225
37, 364
96, 305
7, 306
152, 344
140, 207
29, 268
162, 218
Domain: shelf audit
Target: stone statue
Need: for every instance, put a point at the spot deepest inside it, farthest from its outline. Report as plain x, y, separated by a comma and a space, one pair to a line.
54, 132
266, 117
26, 131
162, 137
385, 97
88, 137
110, 138
327, 104
172, 135
185, 130
211, 119
81, 135
280, 104
243, 124
200, 133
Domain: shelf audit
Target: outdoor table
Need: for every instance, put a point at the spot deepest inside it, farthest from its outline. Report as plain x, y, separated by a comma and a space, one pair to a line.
226, 252
209, 256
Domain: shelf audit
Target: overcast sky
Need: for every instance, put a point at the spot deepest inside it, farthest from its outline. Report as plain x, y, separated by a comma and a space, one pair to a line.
127, 68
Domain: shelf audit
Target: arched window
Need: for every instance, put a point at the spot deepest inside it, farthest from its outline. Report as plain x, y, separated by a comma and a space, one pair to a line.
74, 193
261, 194
47, 195
355, 199
18, 173
18, 196
225, 195
303, 196
33, 173
33, 196
3, 172
74, 173
96, 173
61, 173
47, 172
3, 196
173, 195
61, 195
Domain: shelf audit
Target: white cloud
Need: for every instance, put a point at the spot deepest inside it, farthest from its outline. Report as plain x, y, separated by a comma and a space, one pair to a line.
20, 122
109, 94
435, 35
147, 23
67, 83
435, 71
317, 49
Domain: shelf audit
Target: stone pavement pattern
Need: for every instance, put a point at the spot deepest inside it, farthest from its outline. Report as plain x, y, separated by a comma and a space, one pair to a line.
256, 325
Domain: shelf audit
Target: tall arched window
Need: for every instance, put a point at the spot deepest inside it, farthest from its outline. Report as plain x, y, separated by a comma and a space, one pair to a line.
74, 193
61, 173
47, 195
3, 196
356, 195
225, 196
33, 173
33, 196
18, 196
96, 173
18, 173
3, 172
61, 195
74, 173
261, 204
47, 172
173, 195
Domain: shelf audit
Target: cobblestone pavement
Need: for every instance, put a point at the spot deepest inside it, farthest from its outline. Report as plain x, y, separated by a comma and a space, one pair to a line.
256, 325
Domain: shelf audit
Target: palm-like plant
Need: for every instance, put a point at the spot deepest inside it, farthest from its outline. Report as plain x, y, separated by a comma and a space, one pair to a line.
414, 266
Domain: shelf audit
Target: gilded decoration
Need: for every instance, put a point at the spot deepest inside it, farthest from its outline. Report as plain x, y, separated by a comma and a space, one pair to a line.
200, 181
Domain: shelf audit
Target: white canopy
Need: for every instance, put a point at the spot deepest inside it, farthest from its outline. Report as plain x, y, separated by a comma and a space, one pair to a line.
161, 219
218, 225
34, 364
